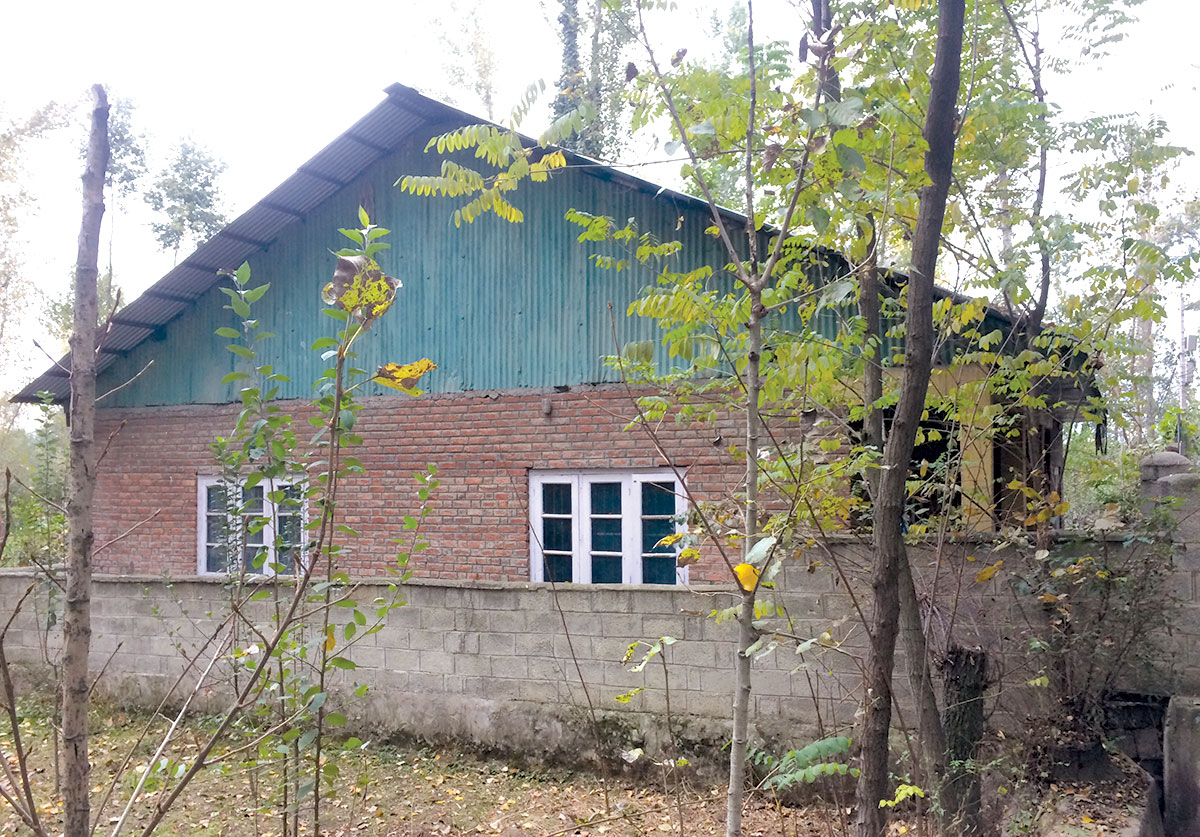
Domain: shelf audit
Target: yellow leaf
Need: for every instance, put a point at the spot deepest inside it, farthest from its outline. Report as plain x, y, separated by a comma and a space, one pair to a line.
747, 576
1047, 598
669, 540
687, 556
988, 572
360, 286
404, 377
330, 639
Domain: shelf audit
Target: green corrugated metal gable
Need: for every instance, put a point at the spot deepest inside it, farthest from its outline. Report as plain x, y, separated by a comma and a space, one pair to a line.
496, 305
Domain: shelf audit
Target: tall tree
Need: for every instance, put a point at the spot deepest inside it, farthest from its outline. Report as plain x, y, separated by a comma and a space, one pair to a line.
15, 201
887, 530
77, 624
595, 43
187, 196
468, 62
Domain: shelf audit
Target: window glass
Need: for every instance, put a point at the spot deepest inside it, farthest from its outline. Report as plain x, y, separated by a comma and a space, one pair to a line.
556, 498
266, 528
658, 511
606, 569
558, 568
658, 498
556, 534
610, 534
606, 498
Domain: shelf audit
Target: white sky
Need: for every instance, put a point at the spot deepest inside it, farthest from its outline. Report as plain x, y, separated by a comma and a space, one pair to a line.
264, 85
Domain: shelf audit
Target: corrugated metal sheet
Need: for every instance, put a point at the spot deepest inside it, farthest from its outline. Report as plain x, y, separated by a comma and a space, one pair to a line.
496, 305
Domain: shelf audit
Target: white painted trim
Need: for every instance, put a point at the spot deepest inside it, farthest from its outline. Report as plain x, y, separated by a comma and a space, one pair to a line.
581, 519
203, 483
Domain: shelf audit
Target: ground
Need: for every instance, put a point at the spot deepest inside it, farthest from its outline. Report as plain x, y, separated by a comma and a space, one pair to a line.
408, 790
404, 790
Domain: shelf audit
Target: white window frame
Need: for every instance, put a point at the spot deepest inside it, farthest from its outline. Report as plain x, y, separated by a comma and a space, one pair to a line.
203, 483
581, 528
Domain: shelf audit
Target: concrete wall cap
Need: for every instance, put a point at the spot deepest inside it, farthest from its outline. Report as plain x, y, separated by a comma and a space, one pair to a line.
1186, 481
1164, 462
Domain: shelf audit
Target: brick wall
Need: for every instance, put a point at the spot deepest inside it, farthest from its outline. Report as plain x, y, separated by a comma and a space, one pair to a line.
482, 443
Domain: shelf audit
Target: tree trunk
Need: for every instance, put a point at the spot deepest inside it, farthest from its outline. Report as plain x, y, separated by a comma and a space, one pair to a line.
77, 623
931, 754
746, 632
887, 535
966, 679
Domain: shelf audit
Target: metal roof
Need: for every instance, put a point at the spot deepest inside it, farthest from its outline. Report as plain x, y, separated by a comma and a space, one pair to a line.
371, 138
368, 140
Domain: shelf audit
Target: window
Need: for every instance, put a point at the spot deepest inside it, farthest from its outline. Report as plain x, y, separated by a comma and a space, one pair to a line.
603, 527
264, 525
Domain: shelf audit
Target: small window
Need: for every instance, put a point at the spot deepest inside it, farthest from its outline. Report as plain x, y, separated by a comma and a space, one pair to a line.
255, 530
604, 527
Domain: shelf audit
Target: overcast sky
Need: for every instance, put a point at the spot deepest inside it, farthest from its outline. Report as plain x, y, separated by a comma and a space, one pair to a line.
265, 85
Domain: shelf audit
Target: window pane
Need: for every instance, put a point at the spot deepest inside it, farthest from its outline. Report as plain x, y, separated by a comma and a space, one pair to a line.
606, 534
606, 569
658, 498
655, 530
253, 498
556, 534
606, 498
254, 531
215, 530
286, 559
658, 569
558, 568
255, 558
214, 559
216, 498
289, 529
556, 498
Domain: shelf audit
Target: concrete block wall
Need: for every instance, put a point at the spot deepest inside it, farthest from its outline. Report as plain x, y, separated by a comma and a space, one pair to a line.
489, 663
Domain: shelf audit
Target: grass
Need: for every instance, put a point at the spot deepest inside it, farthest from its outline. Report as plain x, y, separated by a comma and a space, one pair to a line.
387, 789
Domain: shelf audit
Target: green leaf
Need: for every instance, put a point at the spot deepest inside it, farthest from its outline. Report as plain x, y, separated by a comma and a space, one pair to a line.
323, 343
850, 159
820, 219
255, 294
235, 376
343, 663
758, 553
239, 306
226, 331
240, 351
335, 719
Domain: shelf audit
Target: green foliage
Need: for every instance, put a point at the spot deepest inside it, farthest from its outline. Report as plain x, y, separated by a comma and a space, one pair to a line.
39, 523
1095, 613
595, 53
187, 196
300, 616
803, 766
58, 315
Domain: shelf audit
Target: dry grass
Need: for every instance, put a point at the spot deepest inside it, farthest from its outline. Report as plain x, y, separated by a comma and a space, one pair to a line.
398, 790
